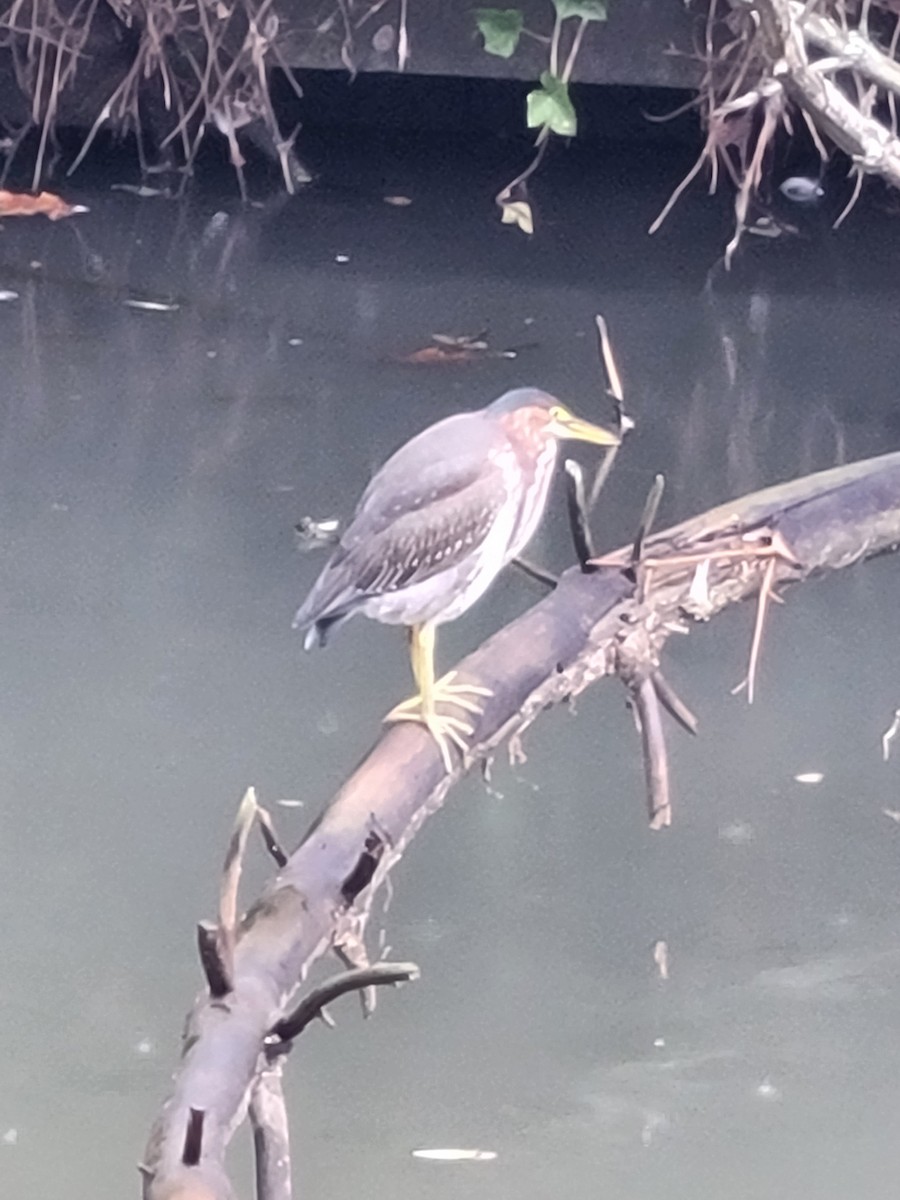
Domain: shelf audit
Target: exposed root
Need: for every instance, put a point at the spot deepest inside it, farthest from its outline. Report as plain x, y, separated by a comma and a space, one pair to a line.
194, 64
767, 60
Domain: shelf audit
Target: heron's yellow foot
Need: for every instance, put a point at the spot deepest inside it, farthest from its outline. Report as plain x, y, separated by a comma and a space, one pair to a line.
446, 730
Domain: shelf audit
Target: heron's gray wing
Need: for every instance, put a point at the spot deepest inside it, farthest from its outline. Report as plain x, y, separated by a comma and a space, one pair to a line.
440, 464
428, 537
410, 525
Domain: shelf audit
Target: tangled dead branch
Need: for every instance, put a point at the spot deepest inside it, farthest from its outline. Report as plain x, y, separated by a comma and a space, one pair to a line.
192, 64
769, 62
601, 620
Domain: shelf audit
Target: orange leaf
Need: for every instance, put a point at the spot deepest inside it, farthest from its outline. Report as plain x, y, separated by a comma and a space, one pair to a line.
439, 355
22, 204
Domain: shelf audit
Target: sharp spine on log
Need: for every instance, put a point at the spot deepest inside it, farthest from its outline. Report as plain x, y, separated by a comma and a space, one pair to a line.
648, 517
193, 1138
361, 875
218, 977
269, 836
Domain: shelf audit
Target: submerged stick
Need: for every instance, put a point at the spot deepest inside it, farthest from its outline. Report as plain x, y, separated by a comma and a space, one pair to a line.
570, 639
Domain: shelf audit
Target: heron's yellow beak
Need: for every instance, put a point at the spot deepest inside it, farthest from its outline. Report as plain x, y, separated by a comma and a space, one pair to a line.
565, 425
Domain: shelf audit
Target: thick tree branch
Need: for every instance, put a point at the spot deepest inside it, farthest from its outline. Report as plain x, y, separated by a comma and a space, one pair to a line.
849, 46
591, 626
869, 143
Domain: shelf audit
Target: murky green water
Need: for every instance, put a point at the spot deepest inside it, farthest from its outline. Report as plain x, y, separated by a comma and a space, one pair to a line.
152, 465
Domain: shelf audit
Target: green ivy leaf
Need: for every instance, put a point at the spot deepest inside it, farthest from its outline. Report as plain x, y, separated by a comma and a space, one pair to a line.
501, 29
550, 105
587, 10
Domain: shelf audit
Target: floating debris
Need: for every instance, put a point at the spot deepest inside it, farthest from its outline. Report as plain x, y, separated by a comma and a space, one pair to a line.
802, 190
893, 814
766, 227
313, 535
290, 803
661, 958
23, 204
6, 296
140, 190
889, 734
215, 227
342, 258
809, 777
738, 833
398, 201
295, 341
768, 1091
453, 1155
654, 1123
448, 348
383, 39
10, 1137
153, 305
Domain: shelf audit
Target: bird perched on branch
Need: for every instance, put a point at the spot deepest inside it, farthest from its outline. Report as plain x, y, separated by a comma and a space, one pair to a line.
433, 529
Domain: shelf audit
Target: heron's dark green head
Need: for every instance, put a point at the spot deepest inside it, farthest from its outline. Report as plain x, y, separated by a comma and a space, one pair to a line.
541, 413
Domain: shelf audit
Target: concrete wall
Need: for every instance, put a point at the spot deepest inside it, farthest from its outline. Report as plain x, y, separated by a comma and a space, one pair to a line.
634, 46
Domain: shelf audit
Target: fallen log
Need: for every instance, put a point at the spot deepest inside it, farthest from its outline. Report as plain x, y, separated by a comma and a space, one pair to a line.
610, 617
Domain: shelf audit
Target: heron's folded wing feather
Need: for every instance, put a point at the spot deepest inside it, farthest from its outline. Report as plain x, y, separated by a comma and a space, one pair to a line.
385, 554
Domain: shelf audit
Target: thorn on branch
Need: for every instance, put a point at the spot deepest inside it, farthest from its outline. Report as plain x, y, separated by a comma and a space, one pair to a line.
218, 975
648, 517
361, 875
270, 837
311, 1006
193, 1138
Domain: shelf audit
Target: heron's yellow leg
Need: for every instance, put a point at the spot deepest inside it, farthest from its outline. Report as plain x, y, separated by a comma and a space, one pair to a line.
447, 731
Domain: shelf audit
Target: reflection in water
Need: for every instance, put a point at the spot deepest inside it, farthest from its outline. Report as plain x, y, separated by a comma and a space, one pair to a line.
153, 466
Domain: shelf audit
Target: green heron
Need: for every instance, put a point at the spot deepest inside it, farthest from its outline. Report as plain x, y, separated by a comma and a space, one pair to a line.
433, 529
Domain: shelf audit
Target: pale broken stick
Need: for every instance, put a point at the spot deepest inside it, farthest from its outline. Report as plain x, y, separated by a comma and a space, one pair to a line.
614, 389
648, 688
779, 550
216, 941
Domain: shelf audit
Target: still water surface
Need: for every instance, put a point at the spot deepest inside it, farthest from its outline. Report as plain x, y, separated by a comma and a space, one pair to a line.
152, 466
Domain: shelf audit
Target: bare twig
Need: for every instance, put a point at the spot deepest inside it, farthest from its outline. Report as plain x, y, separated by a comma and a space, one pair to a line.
312, 1006
614, 389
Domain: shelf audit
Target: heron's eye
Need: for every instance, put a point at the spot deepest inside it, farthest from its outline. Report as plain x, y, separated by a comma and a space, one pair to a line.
558, 413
